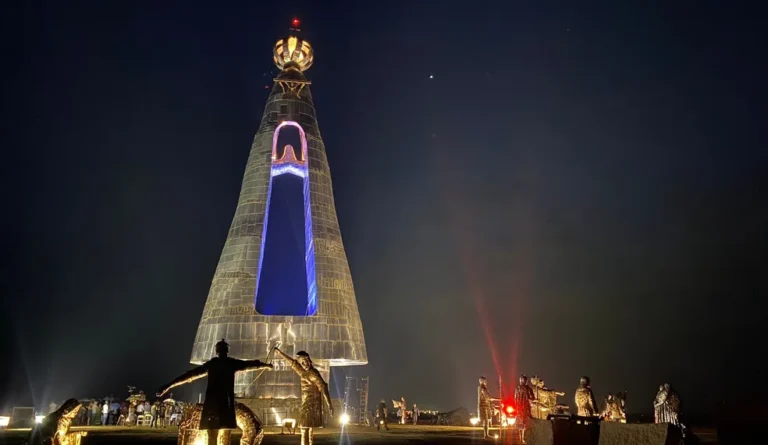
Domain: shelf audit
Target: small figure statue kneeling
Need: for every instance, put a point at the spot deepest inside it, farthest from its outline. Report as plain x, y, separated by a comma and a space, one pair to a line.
246, 420
613, 408
55, 427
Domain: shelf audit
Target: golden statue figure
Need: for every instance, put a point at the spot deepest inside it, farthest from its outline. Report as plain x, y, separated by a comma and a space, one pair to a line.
545, 400
218, 413
523, 398
55, 427
667, 405
613, 409
314, 391
401, 408
585, 399
484, 408
621, 403
381, 416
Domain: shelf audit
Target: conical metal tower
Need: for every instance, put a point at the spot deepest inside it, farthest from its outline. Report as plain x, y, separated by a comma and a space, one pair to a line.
283, 276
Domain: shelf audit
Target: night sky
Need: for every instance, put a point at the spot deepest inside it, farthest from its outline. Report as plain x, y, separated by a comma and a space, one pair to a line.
575, 190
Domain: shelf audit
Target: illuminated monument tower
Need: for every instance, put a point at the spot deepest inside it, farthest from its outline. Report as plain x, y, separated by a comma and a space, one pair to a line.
283, 275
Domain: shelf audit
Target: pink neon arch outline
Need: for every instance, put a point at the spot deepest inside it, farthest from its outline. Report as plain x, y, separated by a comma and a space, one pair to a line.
301, 134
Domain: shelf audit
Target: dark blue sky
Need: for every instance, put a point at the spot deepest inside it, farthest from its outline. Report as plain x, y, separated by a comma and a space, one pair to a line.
582, 184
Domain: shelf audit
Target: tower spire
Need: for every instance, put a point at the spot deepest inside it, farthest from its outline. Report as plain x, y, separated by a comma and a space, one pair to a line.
293, 51
292, 55
285, 222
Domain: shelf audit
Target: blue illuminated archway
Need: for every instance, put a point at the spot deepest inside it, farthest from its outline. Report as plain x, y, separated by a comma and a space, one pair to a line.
288, 164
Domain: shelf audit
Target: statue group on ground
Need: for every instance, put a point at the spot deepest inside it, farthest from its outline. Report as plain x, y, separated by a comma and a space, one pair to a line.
220, 414
538, 401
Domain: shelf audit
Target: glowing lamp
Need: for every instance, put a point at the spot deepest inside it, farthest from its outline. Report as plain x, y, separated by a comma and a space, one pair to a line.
495, 436
381, 422
510, 410
344, 419
39, 419
4, 421
474, 421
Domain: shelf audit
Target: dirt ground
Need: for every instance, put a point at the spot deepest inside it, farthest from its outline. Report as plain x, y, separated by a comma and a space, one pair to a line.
447, 435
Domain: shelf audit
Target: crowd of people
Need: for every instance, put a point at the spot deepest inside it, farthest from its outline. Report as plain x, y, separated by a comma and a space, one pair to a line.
134, 411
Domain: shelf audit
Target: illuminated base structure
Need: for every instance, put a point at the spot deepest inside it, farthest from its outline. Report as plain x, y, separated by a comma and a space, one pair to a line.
283, 277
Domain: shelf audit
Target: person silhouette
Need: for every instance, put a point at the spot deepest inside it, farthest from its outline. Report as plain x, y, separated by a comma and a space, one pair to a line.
219, 406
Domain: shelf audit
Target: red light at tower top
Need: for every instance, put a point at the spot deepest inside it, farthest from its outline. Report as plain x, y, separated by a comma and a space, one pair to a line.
295, 25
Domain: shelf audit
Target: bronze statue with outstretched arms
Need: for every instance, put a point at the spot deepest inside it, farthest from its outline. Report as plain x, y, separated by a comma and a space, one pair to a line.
219, 406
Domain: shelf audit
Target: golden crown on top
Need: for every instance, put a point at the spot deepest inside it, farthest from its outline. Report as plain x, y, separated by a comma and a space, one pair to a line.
293, 52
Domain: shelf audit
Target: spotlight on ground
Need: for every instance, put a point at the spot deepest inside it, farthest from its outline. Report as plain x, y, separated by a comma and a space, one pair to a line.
39, 419
4, 421
474, 421
344, 419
